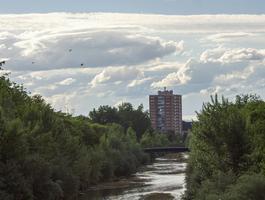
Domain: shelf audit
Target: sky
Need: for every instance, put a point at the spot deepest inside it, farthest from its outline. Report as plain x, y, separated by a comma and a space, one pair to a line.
176, 7
82, 54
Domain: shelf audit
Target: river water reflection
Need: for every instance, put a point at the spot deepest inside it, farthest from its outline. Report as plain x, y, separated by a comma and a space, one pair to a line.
164, 179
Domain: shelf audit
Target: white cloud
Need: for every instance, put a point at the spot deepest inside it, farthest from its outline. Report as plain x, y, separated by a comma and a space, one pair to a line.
63, 101
191, 72
212, 55
79, 21
219, 70
238, 55
226, 55
114, 74
138, 82
228, 37
117, 39
52, 82
176, 78
158, 66
67, 81
128, 56
43, 51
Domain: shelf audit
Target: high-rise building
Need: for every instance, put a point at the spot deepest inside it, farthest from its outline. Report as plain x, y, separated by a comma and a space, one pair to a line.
166, 111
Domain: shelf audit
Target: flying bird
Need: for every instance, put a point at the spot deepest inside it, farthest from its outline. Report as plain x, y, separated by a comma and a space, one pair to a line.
82, 64
2, 63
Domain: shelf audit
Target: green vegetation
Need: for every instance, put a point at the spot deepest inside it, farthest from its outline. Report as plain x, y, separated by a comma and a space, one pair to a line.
51, 155
154, 139
125, 115
157, 196
227, 158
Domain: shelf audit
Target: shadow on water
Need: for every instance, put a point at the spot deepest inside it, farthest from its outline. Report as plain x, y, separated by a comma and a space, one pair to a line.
164, 179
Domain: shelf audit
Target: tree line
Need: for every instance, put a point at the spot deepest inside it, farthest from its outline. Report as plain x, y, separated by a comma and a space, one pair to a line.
139, 120
50, 155
227, 158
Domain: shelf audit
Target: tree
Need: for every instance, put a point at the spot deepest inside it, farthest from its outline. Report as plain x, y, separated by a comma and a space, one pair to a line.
228, 138
52, 155
125, 115
154, 139
104, 115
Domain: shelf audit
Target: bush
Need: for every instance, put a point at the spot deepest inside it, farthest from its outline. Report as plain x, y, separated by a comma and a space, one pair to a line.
247, 187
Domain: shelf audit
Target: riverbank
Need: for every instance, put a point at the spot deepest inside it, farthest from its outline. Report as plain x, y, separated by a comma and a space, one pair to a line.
163, 179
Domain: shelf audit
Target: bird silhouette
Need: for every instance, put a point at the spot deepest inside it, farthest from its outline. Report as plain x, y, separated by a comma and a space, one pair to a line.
2, 63
70, 50
82, 64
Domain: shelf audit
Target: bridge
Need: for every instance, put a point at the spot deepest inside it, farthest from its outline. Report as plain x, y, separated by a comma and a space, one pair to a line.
166, 149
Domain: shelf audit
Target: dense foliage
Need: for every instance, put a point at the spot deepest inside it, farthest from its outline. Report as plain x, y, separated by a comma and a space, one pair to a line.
227, 159
51, 155
154, 139
138, 120
125, 115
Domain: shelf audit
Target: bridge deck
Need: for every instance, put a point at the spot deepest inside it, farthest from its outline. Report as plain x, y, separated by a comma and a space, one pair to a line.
166, 149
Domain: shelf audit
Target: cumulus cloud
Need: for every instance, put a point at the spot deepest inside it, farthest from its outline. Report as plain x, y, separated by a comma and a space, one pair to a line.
90, 59
176, 78
117, 39
52, 82
86, 48
191, 72
219, 70
114, 74
225, 55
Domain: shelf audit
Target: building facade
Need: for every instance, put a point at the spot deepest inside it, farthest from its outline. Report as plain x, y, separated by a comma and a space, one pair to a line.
166, 111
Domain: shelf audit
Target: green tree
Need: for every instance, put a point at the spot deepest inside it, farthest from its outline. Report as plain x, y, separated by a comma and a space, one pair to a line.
154, 139
104, 115
52, 155
228, 138
125, 115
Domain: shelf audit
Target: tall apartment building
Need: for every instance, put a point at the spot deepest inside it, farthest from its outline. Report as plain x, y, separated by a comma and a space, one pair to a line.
166, 111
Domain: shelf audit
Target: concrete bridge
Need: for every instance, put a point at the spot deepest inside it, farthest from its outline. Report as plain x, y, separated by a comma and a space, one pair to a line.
166, 149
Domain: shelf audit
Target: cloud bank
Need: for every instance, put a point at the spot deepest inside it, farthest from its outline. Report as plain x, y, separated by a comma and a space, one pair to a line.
80, 61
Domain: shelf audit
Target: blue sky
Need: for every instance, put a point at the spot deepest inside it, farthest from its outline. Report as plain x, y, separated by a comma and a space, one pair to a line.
176, 7
82, 54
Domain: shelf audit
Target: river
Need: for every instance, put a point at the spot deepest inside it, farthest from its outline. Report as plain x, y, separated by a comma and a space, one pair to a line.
163, 179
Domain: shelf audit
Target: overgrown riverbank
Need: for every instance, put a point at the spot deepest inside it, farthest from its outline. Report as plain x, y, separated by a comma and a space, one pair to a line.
51, 155
162, 179
227, 158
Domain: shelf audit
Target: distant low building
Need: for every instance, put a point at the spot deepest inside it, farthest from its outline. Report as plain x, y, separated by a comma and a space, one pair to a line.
166, 111
186, 127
